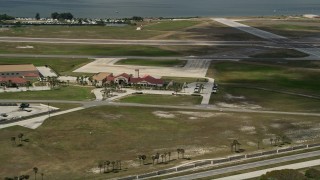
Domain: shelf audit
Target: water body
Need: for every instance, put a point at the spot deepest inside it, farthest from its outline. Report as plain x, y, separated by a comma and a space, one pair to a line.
159, 8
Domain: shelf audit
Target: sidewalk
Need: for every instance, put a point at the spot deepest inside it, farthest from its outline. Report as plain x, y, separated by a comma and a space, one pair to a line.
34, 123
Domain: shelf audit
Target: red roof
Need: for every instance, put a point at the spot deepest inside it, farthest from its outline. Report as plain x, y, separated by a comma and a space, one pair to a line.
16, 80
124, 75
110, 78
148, 79
31, 75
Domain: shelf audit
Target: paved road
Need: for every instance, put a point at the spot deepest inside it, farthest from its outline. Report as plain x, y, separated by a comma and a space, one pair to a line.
247, 166
88, 104
134, 42
280, 40
261, 172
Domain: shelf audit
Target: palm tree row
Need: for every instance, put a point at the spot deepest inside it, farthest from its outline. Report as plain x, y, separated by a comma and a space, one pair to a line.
116, 165
279, 140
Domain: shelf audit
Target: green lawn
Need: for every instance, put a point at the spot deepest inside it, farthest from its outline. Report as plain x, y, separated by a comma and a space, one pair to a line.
172, 25
64, 148
61, 65
163, 99
80, 32
287, 63
268, 76
152, 62
238, 79
97, 50
280, 53
183, 79
63, 93
262, 100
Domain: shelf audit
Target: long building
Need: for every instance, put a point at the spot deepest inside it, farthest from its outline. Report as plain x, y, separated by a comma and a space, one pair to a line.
23, 70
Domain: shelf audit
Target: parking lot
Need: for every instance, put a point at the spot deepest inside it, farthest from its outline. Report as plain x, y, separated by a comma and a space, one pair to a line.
13, 112
193, 68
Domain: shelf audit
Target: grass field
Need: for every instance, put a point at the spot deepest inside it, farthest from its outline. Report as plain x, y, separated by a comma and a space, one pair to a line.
61, 65
80, 32
269, 76
211, 30
98, 50
63, 93
171, 25
280, 53
63, 147
287, 63
238, 81
243, 97
152, 62
163, 99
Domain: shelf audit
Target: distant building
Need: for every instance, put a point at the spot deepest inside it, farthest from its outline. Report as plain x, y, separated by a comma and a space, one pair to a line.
24, 71
311, 16
100, 78
126, 79
146, 80
18, 75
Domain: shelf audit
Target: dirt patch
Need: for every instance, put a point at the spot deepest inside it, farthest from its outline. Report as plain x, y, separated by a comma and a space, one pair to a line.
230, 97
248, 129
24, 47
163, 114
245, 105
201, 114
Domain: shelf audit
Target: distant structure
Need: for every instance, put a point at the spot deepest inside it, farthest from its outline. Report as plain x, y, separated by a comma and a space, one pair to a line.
126, 79
23, 70
18, 75
139, 28
311, 16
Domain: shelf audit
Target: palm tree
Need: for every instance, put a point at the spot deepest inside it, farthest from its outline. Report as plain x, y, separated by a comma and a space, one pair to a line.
104, 166
157, 157
108, 164
119, 164
13, 140
113, 163
35, 170
100, 165
178, 151
140, 158
42, 176
162, 156
20, 136
153, 158
182, 152
143, 157
165, 156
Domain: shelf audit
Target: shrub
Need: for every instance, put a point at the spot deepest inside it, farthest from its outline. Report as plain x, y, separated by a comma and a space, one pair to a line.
313, 173
285, 174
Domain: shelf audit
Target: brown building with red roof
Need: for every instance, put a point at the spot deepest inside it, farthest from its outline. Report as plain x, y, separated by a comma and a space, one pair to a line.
23, 70
18, 75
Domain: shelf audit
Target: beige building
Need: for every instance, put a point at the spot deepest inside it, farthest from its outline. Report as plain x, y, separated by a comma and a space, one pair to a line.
24, 70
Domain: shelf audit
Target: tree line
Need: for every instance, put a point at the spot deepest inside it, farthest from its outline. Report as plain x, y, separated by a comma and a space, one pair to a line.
62, 16
6, 17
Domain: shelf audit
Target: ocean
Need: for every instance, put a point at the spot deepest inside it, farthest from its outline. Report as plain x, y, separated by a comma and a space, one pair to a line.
159, 8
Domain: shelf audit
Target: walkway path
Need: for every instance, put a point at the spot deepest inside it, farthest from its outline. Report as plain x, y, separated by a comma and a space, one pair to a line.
34, 123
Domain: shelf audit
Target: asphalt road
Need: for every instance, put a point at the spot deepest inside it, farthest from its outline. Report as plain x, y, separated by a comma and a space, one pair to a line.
282, 41
254, 174
135, 42
88, 104
247, 166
